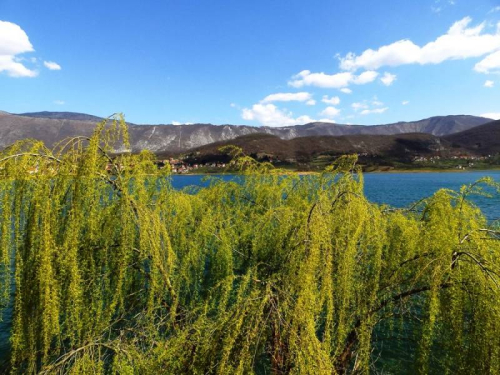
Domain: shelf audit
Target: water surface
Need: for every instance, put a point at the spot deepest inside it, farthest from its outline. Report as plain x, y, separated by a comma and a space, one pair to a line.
396, 189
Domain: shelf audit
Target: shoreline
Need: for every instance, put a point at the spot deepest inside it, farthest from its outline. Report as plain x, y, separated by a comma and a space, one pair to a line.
434, 170
305, 173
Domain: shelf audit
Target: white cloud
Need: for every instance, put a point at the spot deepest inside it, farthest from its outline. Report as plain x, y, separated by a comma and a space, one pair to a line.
181, 123
59, 102
405, 102
365, 108
13, 42
492, 115
388, 78
495, 9
51, 65
489, 64
311, 102
398, 53
365, 77
327, 120
14, 68
441, 5
346, 90
489, 83
338, 80
358, 106
460, 42
372, 111
304, 119
306, 78
270, 115
334, 100
330, 112
287, 97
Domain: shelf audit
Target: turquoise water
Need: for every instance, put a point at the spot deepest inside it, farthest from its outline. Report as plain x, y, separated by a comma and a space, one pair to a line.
397, 189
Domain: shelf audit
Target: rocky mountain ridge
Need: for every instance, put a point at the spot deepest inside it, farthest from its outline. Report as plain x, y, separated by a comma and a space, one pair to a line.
51, 127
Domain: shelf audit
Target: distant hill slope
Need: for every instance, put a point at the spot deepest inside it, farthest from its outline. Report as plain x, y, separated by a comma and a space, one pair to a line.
14, 128
306, 148
54, 126
63, 116
483, 140
438, 125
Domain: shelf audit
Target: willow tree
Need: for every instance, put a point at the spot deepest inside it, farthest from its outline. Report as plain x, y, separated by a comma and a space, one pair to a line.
113, 271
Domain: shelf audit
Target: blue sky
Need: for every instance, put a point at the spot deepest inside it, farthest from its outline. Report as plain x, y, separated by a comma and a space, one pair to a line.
252, 62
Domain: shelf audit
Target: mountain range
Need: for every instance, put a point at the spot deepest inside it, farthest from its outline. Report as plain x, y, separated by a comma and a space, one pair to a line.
480, 141
51, 127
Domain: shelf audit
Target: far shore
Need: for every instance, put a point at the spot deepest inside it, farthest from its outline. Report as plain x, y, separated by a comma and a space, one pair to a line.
305, 173
433, 170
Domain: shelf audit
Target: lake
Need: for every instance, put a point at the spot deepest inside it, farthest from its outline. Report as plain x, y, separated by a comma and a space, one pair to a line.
397, 189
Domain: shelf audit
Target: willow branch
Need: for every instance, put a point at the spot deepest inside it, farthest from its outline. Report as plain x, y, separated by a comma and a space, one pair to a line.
30, 154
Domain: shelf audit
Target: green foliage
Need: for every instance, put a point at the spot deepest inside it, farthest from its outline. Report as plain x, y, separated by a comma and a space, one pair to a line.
116, 272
